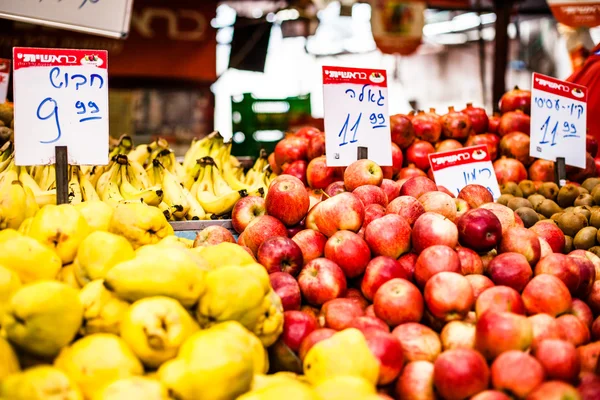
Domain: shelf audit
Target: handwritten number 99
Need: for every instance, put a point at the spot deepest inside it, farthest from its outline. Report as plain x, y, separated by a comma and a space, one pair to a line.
45, 112
91, 1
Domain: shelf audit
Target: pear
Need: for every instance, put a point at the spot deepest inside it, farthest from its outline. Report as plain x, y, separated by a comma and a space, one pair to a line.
43, 317
97, 214
61, 228
7, 234
67, 275
344, 353
25, 226
158, 272
40, 383
345, 388
98, 253
155, 328
134, 388
225, 254
140, 224
212, 365
177, 241
96, 361
29, 259
15, 204
9, 284
289, 389
9, 363
103, 311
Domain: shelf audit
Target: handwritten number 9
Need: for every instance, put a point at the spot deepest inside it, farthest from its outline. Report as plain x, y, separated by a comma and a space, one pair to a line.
91, 1
53, 113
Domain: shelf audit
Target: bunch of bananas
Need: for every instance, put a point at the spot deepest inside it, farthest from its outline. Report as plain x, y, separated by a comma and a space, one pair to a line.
205, 186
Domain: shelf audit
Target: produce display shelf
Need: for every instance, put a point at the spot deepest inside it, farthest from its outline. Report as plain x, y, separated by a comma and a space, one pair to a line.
188, 229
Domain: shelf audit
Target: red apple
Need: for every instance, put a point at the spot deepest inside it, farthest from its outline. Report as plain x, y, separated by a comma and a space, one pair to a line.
417, 186
245, 210
479, 229
479, 284
460, 373
321, 280
416, 381
349, 252
589, 388
590, 256
391, 189
546, 294
339, 313
287, 200
313, 338
213, 235
505, 215
311, 243
408, 262
587, 275
372, 212
593, 299
561, 266
448, 296
470, 262
344, 211
458, 334
274, 167
545, 249
356, 294
407, 207
371, 194
318, 174
308, 132
398, 301
510, 269
296, 326
386, 348
286, 287
316, 146
397, 159
290, 149
362, 172
475, 195
388, 236
550, 232
443, 189
517, 373
260, 229
521, 240
370, 311
555, 390
378, 271
500, 299
433, 229
433, 260
574, 330
365, 323
588, 357
418, 342
461, 207
280, 254
490, 395
334, 188
297, 169
499, 331
559, 359
439, 202
544, 327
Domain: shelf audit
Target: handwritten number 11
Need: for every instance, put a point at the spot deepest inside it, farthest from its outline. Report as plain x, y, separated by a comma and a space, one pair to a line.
344, 130
553, 133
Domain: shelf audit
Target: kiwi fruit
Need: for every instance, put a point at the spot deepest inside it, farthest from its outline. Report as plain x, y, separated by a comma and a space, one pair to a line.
536, 200
583, 190
555, 217
569, 209
567, 195
584, 200
518, 202
596, 195
504, 198
547, 208
511, 188
527, 187
585, 238
549, 190
568, 244
528, 216
595, 218
595, 250
584, 210
590, 183
543, 217
571, 223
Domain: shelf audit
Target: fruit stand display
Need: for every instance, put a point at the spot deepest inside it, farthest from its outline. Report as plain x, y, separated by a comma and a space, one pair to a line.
363, 282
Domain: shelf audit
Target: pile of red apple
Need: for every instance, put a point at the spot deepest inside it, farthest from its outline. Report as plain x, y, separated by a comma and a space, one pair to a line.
453, 295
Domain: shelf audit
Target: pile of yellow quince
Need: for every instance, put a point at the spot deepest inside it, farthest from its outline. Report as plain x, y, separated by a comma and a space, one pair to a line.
105, 303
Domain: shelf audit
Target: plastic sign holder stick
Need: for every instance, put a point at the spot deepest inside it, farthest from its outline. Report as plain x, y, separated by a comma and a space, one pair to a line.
560, 171
62, 175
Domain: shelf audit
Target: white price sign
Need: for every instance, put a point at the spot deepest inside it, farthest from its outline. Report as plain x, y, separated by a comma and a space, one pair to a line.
456, 169
61, 99
558, 120
356, 115
4, 76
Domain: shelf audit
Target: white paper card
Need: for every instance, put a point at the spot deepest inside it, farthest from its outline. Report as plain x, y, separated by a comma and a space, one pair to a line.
456, 169
355, 102
61, 99
558, 120
4, 77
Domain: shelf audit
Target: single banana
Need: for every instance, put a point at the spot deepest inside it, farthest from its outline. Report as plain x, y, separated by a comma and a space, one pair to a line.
75, 193
173, 191
219, 205
46, 197
138, 175
87, 189
151, 196
26, 179
140, 154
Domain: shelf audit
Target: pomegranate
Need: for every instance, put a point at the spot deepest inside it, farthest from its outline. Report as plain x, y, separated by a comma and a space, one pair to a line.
516, 99
516, 145
418, 153
456, 124
509, 170
542, 170
410, 172
514, 121
597, 161
494, 123
491, 140
447, 145
402, 130
478, 117
580, 174
591, 145
427, 127
397, 160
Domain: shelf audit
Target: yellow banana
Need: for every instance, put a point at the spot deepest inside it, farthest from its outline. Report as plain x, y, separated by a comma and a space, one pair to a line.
138, 175
166, 210
75, 193
110, 193
87, 189
6, 163
219, 205
140, 154
27, 181
173, 194
196, 211
151, 196
198, 149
